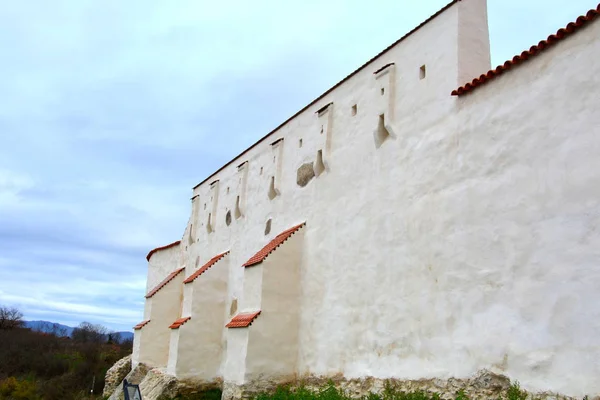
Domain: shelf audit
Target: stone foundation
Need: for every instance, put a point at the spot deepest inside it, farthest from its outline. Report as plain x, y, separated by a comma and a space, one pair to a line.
484, 385
116, 374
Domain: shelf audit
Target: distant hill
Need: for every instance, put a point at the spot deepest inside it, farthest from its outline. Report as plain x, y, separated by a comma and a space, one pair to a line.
64, 330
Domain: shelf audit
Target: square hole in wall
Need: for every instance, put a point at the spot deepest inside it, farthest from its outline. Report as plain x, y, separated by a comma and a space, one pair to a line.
300, 143
422, 72
354, 110
227, 189
382, 91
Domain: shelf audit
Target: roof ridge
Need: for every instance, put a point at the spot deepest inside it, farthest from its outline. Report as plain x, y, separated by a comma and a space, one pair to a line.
406, 35
243, 320
562, 33
164, 282
205, 267
141, 324
273, 244
168, 246
178, 322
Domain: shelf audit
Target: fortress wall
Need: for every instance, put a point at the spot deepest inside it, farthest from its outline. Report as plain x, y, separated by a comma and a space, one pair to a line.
453, 235
165, 308
524, 206
322, 202
273, 337
161, 264
201, 340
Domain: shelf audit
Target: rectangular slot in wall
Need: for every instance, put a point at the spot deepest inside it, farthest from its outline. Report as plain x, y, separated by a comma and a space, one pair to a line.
240, 201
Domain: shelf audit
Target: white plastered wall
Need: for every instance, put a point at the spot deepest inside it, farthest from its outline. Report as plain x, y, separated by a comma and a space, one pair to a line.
164, 308
468, 241
200, 341
272, 350
161, 264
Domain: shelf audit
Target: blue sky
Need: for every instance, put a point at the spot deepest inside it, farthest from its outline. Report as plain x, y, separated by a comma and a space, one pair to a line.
111, 111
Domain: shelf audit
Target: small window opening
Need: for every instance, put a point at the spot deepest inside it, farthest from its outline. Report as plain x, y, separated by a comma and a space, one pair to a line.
354, 110
321, 128
274, 158
382, 91
209, 224
205, 206
300, 143
319, 166
272, 191
261, 170
422, 72
233, 308
228, 218
381, 134
237, 211
268, 227
227, 189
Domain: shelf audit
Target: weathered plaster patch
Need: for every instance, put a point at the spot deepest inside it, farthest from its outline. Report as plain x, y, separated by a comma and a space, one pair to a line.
304, 174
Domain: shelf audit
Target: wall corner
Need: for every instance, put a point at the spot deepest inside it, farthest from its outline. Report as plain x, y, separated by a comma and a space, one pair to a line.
474, 56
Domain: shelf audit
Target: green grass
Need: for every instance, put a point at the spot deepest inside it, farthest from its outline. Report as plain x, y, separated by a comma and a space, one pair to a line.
211, 394
330, 392
515, 392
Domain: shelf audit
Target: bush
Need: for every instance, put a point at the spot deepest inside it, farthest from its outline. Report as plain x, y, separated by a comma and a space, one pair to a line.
39, 365
14, 389
515, 392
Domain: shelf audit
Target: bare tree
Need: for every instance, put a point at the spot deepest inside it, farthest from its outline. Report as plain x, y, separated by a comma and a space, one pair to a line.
87, 332
56, 330
10, 318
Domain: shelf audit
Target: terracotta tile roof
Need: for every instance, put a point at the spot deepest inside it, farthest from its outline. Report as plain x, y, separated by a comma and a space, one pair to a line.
205, 267
164, 282
162, 248
141, 324
272, 245
242, 320
447, 6
179, 322
532, 52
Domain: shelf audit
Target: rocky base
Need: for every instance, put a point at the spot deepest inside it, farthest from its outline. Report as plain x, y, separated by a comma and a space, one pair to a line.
155, 384
116, 374
135, 376
484, 385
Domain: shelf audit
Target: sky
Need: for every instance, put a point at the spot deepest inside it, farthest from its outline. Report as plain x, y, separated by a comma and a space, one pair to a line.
111, 111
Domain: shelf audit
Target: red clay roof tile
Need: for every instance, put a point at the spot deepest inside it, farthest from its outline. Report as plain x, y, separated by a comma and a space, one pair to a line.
205, 267
446, 7
532, 52
162, 248
141, 324
272, 245
242, 320
164, 282
179, 322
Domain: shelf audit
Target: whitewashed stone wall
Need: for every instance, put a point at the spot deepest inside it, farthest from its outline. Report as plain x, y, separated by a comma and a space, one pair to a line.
465, 240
